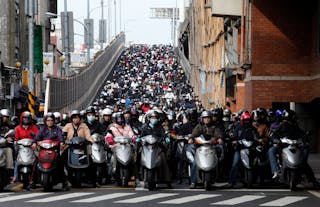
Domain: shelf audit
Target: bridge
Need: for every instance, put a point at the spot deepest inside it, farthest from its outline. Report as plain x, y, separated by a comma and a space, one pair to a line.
78, 91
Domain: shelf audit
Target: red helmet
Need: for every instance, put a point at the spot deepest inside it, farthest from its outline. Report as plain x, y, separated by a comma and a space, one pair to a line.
245, 117
26, 114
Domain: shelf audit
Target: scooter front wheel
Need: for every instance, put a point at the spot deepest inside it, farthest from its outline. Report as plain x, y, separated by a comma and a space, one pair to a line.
292, 180
150, 179
47, 182
249, 178
207, 181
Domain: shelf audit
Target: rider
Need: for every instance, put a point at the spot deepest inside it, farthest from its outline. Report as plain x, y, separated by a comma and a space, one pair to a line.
92, 122
153, 127
289, 128
208, 130
243, 131
26, 130
76, 128
117, 129
50, 131
106, 120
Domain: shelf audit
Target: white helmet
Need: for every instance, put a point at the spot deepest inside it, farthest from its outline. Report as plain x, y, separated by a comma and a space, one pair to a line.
106, 112
57, 115
5, 112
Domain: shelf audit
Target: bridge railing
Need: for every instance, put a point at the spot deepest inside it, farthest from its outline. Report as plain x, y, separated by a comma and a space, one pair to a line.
78, 91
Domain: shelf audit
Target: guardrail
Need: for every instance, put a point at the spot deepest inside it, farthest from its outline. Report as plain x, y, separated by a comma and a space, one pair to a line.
78, 92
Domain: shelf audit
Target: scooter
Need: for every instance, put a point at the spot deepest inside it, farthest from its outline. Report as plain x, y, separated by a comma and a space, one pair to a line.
151, 160
3, 163
99, 157
78, 159
25, 160
254, 161
206, 161
47, 163
123, 152
292, 159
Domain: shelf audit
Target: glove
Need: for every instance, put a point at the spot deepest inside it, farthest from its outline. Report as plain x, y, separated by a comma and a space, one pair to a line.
167, 139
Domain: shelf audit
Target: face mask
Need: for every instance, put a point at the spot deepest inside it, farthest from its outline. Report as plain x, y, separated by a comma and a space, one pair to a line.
153, 122
91, 118
127, 120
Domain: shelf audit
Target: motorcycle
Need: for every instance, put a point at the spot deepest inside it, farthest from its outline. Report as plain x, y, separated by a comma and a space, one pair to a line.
123, 151
254, 161
47, 163
99, 157
78, 159
25, 160
292, 159
151, 160
206, 160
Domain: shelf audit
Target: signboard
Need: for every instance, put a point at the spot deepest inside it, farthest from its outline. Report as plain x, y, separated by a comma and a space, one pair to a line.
226, 7
164, 13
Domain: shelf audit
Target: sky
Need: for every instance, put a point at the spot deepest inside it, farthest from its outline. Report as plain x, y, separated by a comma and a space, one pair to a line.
136, 21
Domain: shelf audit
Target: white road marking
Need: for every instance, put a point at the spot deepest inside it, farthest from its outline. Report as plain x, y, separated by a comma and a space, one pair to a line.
315, 193
284, 201
146, 198
102, 198
238, 200
59, 197
189, 199
19, 197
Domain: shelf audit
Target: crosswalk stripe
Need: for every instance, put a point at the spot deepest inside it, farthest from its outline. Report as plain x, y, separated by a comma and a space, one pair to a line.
189, 199
146, 198
102, 198
19, 197
284, 201
315, 193
238, 200
5, 194
59, 197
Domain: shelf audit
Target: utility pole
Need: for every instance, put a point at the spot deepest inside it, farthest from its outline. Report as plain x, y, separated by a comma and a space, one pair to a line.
88, 36
109, 20
66, 38
120, 15
31, 56
101, 42
115, 18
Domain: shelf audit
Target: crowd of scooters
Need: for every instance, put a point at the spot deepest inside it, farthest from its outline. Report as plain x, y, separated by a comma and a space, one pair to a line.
147, 124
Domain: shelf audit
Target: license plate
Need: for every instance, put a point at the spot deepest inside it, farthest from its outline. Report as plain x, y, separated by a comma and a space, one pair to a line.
78, 152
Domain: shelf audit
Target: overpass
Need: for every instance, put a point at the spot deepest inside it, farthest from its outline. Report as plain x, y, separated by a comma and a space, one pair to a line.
78, 91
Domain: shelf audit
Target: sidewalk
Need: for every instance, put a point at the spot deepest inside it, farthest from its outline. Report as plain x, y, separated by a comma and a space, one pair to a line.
314, 161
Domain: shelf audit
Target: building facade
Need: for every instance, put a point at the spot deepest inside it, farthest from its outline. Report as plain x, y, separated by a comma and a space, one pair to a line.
245, 54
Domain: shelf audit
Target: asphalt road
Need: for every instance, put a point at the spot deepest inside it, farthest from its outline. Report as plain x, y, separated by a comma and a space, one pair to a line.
115, 197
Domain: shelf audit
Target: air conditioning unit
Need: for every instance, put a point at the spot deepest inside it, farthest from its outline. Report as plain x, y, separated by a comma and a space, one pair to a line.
226, 7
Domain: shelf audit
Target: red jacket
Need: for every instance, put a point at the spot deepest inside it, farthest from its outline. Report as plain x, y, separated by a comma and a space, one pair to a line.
21, 132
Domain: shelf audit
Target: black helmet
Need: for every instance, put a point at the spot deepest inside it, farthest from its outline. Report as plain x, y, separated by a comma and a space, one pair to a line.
289, 115
153, 113
118, 118
206, 114
90, 109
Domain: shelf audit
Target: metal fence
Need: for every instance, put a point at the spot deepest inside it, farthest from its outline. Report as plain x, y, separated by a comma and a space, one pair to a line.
78, 92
